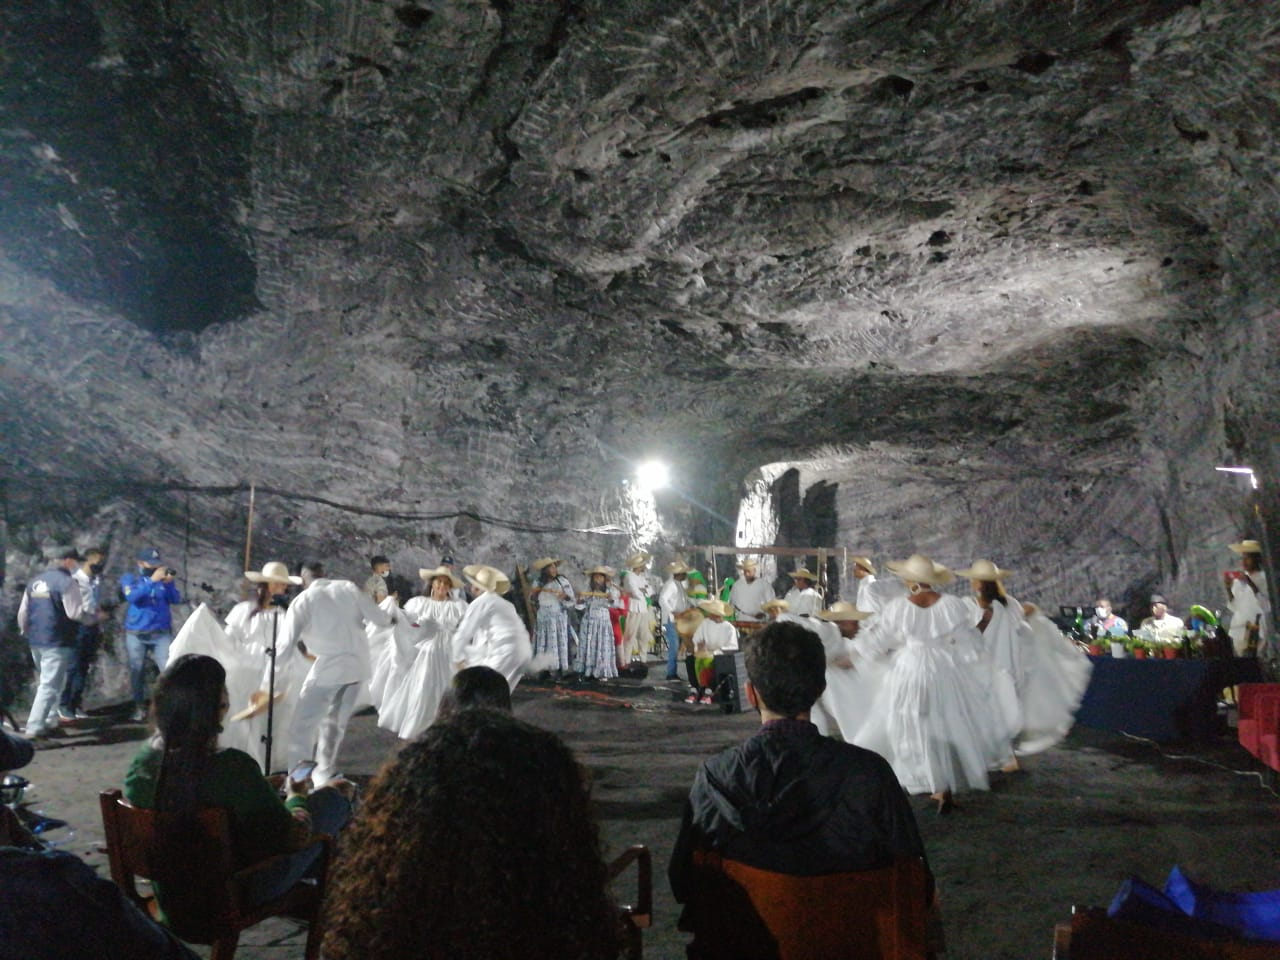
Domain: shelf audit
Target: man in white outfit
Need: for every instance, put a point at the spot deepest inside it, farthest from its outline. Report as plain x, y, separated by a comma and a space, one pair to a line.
491, 633
673, 600
749, 592
328, 617
1248, 601
803, 599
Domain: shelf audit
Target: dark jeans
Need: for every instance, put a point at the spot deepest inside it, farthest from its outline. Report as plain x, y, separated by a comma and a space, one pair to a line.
330, 812
88, 640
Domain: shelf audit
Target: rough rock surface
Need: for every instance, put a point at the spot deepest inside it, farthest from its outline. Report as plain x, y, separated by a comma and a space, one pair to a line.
1002, 274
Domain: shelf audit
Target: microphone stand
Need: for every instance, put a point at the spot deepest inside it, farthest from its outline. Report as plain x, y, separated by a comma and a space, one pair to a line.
267, 738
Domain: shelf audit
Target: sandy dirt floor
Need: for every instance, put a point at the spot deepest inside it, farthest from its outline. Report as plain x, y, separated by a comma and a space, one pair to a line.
1010, 863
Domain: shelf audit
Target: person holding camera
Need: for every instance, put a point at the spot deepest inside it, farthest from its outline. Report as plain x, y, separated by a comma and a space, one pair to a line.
148, 624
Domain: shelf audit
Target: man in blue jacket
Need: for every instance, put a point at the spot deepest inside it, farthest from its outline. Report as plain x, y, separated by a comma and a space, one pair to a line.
49, 617
148, 625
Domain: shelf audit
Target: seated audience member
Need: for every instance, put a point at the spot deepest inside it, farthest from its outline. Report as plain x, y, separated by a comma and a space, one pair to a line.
181, 770
788, 799
1104, 623
477, 840
475, 687
1162, 624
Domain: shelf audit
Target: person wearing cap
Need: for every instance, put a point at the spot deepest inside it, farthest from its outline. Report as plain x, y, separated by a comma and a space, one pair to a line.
933, 719
597, 651
491, 633
852, 676
148, 623
749, 592
411, 706
714, 635
555, 598
328, 620
49, 617
1248, 600
803, 599
88, 577
673, 601
637, 639
1162, 625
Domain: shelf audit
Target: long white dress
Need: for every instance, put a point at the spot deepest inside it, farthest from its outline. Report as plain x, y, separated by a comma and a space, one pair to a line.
846, 703
391, 651
1055, 675
412, 706
250, 630
1246, 606
492, 634
203, 634
874, 593
932, 720
1004, 637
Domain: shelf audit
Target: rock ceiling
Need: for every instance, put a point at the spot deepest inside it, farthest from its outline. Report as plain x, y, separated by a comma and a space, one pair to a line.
476, 254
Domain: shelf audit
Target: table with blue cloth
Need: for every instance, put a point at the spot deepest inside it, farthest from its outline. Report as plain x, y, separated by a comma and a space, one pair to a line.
1161, 699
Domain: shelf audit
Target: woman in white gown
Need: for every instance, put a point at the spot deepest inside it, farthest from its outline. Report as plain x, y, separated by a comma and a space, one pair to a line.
413, 705
491, 633
932, 720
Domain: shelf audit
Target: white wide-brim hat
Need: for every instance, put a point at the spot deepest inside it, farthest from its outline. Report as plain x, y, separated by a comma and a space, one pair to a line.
749, 565
273, 572
984, 570
840, 610
804, 573
677, 566
607, 571
866, 563
780, 605
487, 578
441, 571
542, 562
1245, 546
638, 560
715, 607
918, 568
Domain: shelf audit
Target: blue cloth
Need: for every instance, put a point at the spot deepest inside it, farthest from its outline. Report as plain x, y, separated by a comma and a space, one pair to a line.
1139, 902
1253, 916
54, 906
47, 622
149, 602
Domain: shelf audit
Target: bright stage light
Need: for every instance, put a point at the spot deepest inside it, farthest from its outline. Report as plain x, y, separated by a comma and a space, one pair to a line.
1253, 477
652, 475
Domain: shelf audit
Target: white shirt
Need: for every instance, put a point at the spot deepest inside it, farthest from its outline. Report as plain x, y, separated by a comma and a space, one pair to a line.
492, 634
719, 637
803, 602
1167, 627
746, 597
672, 599
89, 586
329, 617
636, 587
873, 594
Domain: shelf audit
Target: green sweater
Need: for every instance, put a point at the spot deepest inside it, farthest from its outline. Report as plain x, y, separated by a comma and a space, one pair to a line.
262, 824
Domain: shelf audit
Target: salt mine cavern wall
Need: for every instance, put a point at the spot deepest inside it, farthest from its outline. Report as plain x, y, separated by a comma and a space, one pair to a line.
995, 278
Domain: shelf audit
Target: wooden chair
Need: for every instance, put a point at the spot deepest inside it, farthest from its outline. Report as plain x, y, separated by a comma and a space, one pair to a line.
214, 909
741, 912
638, 916
1092, 935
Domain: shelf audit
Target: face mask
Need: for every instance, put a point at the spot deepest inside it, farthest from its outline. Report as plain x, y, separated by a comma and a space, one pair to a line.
1102, 612
97, 568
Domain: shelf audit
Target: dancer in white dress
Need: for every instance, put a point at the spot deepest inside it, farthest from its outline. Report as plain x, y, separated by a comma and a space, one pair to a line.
873, 593
852, 677
413, 705
803, 599
931, 719
555, 597
597, 655
1249, 602
491, 633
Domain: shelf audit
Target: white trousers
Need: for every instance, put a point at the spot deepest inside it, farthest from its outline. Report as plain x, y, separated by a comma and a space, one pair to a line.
319, 724
51, 664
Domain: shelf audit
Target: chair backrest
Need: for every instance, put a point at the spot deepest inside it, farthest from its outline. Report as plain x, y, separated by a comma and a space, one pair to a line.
744, 912
198, 899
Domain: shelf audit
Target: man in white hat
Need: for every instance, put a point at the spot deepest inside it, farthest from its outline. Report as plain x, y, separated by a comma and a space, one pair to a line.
328, 618
749, 592
1249, 602
803, 599
491, 633
873, 593
714, 635
672, 600
637, 639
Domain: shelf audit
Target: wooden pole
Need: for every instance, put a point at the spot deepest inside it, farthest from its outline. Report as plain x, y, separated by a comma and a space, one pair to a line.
248, 532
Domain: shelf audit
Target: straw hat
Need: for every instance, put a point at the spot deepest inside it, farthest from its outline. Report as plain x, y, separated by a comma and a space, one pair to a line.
638, 559
441, 571
866, 564
804, 573
715, 607
607, 571
749, 564
677, 566
273, 572
541, 562
984, 570
489, 579
1245, 546
840, 610
918, 568
780, 605
257, 705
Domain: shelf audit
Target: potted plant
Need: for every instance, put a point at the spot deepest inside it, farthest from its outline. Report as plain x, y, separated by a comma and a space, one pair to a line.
1118, 647
1139, 650
1170, 649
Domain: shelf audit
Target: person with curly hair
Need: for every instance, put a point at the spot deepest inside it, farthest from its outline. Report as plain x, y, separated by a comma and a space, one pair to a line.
477, 840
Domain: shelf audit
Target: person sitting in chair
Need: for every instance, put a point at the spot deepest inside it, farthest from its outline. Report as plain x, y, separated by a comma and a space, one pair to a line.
788, 799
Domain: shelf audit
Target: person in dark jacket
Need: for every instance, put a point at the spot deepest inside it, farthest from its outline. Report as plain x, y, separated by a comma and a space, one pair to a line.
49, 617
148, 625
788, 799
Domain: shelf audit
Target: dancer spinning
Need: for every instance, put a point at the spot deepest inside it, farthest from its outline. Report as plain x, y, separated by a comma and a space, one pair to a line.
597, 658
491, 633
555, 598
931, 720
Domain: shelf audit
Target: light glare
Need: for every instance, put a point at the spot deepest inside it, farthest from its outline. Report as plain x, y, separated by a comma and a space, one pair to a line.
652, 475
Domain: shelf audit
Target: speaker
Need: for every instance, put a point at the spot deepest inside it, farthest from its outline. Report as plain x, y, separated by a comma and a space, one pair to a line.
731, 681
